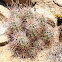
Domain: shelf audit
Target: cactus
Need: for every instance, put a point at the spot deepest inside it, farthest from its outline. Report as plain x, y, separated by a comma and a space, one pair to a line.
25, 29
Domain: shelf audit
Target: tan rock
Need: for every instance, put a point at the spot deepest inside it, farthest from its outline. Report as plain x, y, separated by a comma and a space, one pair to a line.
3, 29
4, 12
47, 14
50, 9
1, 17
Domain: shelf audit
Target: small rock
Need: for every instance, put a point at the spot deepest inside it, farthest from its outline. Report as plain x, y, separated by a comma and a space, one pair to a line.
4, 12
3, 29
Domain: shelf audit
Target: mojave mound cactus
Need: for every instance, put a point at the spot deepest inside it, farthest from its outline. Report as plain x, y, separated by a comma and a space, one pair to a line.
27, 31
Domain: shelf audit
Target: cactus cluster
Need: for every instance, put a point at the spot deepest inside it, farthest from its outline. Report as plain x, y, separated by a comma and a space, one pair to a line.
27, 31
